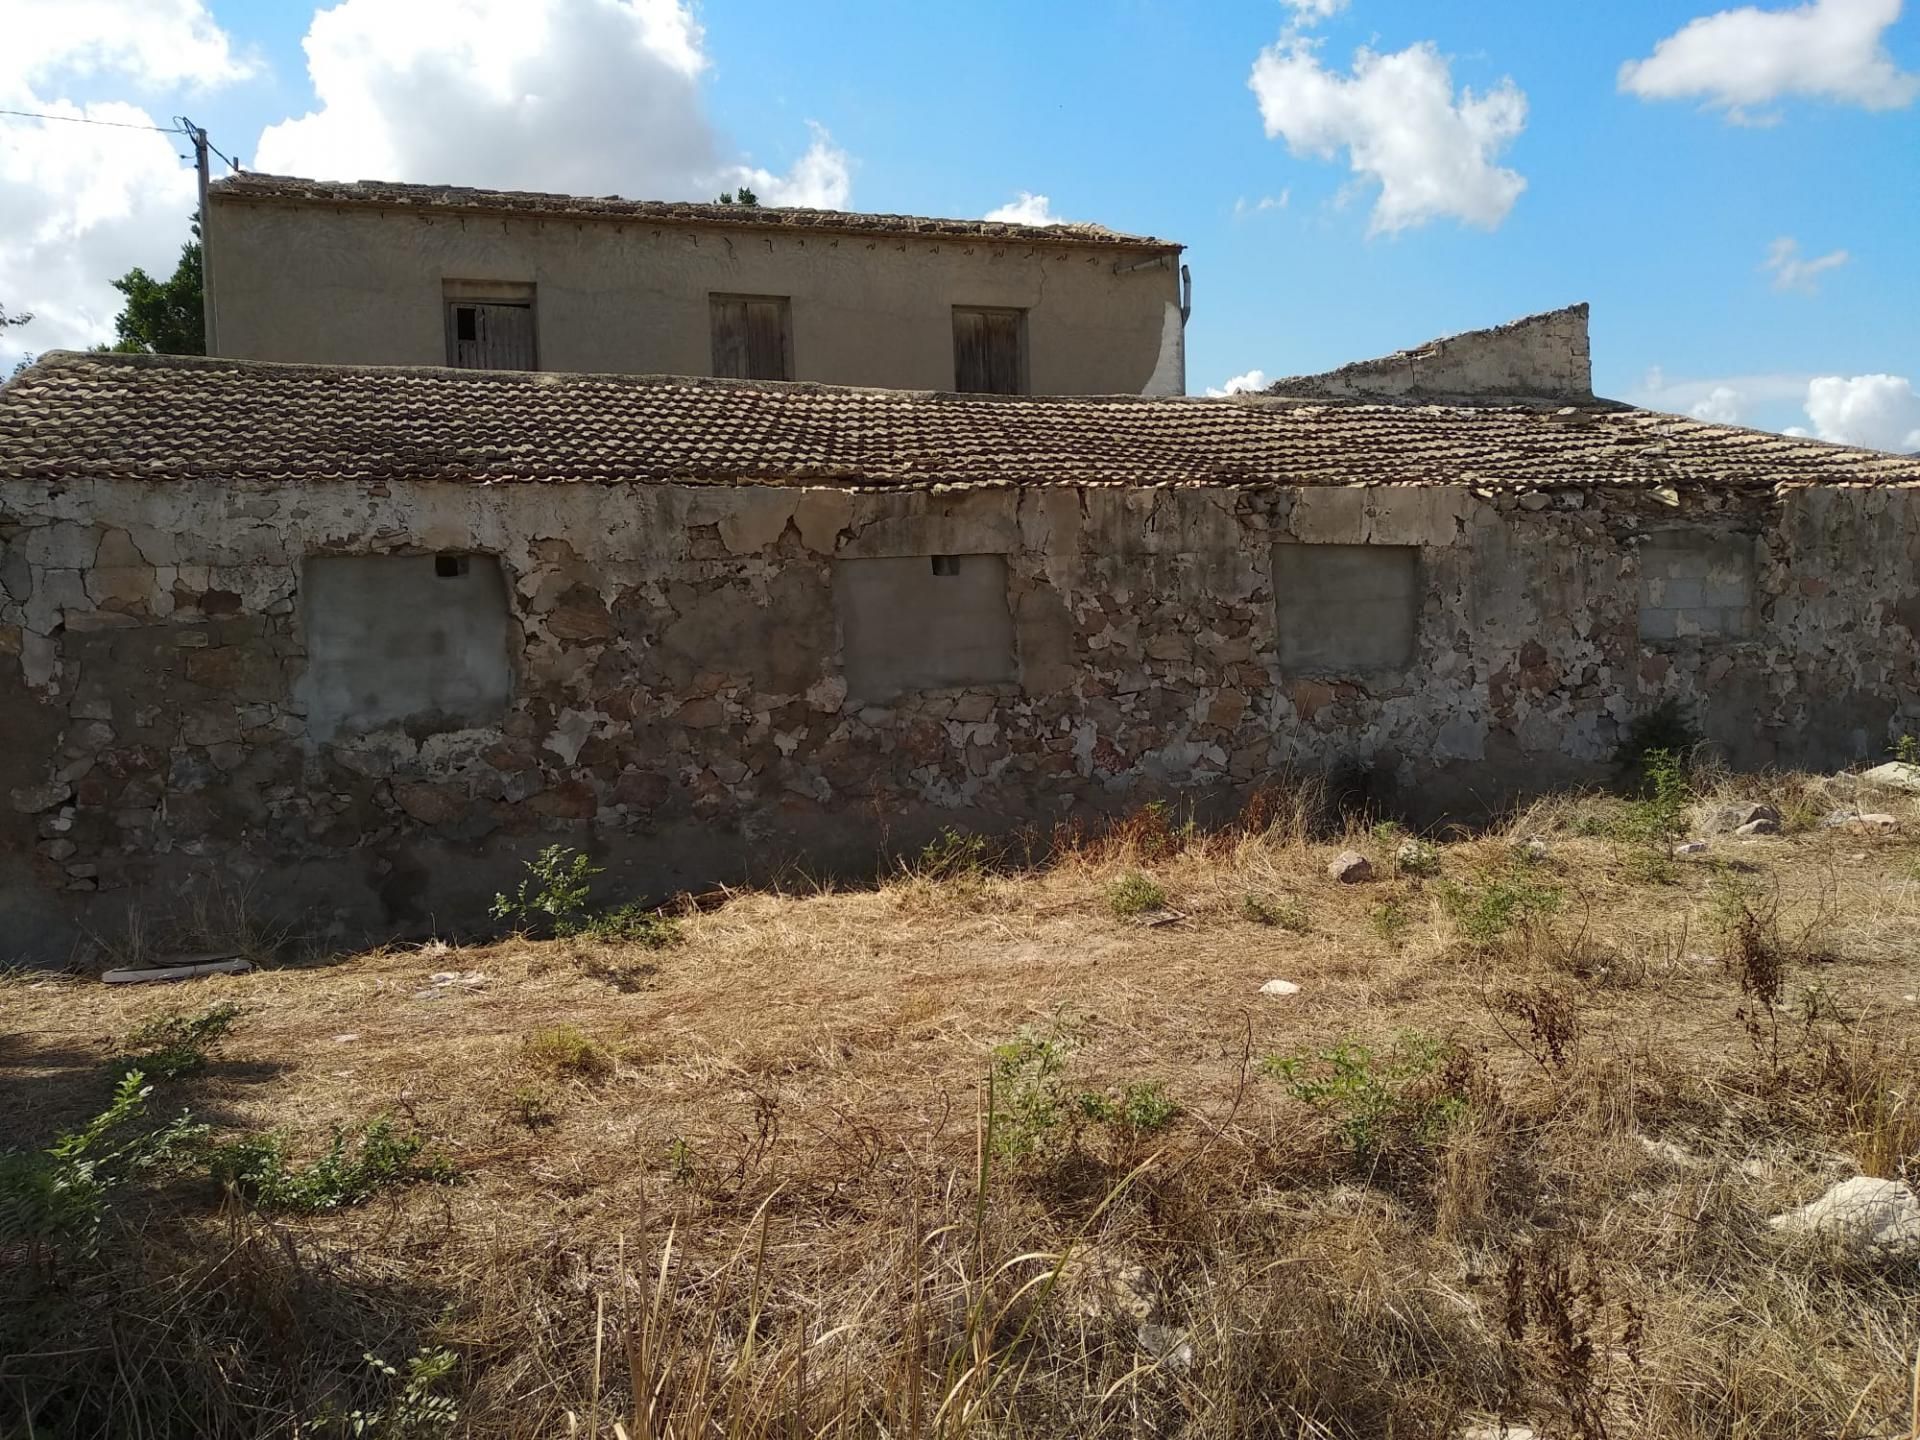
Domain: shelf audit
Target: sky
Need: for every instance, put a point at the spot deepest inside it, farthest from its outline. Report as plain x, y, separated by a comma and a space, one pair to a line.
1736, 190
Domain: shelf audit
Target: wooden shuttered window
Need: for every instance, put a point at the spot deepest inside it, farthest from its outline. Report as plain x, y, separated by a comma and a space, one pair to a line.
989, 350
752, 337
490, 335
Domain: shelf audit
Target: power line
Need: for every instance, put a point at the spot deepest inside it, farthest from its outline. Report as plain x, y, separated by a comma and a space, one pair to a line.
86, 120
179, 127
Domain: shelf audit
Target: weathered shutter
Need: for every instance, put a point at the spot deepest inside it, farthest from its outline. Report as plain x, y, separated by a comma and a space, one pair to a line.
750, 338
986, 352
484, 336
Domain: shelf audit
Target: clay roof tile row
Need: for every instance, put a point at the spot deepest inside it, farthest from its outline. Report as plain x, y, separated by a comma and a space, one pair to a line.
165, 418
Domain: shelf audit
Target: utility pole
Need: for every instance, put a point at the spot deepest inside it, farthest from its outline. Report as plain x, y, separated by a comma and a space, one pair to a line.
198, 135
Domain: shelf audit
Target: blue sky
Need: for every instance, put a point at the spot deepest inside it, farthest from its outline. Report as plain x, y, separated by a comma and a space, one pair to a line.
1661, 208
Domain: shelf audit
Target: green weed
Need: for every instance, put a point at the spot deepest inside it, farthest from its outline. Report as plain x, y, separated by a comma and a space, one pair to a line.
54, 1202
951, 855
170, 1046
417, 1410
1485, 909
353, 1169
1269, 910
1134, 894
1392, 919
1142, 1107
568, 1050
1409, 1096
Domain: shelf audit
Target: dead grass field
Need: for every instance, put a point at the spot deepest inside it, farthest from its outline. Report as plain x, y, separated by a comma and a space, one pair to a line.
747, 1185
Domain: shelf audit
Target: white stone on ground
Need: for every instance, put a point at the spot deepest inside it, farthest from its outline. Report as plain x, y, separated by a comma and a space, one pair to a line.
1894, 775
1279, 987
1866, 1212
1690, 847
1350, 867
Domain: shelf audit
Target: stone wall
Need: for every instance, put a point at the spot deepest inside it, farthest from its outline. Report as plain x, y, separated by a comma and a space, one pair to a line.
679, 703
1539, 357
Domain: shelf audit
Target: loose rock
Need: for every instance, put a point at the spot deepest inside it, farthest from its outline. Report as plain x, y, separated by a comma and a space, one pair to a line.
1761, 826
1869, 1213
1894, 775
1279, 987
1690, 847
1722, 819
1350, 867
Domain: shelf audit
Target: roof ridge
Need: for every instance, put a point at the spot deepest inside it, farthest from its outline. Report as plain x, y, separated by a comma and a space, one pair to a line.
253, 185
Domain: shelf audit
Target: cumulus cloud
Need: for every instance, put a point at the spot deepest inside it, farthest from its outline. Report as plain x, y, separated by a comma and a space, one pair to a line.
1243, 206
1241, 384
1723, 405
821, 179
1027, 209
1737, 59
1308, 12
156, 43
1791, 272
85, 203
1879, 412
1430, 149
585, 96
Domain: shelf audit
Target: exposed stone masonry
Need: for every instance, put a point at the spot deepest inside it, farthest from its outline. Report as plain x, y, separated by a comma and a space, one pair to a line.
679, 705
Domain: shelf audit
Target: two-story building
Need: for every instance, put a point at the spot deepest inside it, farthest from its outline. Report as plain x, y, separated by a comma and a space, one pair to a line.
387, 274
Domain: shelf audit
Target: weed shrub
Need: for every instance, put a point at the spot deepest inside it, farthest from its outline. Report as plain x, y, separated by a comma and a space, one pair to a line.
416, 1409
55, 1202
1271, 910
951, 855
555, 897
1134, 894
1648, 826
1485, 909
353, 1169
568, 1050
170, 1046
1404, 1099
1033, 1107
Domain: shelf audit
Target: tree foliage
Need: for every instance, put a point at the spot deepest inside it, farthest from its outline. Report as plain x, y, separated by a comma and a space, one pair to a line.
163, 317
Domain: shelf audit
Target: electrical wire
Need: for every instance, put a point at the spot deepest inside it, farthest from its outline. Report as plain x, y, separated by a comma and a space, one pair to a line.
86, 120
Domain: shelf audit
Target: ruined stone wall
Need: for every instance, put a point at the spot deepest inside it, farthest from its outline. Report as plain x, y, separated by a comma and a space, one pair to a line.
1539, 357
678, 700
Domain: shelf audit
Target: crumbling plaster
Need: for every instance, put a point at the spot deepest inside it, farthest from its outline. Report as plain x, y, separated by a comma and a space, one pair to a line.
679, 702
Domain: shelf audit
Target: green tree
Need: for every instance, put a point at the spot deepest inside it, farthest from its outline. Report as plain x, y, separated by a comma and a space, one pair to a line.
744, 197
19, 317
163, 317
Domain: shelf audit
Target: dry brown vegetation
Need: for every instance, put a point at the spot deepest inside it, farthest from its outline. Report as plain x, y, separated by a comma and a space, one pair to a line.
758, 1186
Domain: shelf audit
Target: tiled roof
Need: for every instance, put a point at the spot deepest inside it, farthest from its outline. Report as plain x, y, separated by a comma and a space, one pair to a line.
384, 194
166, 418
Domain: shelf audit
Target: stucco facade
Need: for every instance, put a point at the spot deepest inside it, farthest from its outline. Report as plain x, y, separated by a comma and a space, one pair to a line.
358, 281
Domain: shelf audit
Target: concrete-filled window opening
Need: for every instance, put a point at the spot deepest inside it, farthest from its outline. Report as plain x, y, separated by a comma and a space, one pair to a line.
911, 623
414, 640
1696, 585
1345, 609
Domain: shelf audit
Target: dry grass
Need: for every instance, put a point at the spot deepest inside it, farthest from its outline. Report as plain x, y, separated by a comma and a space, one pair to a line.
752, 1194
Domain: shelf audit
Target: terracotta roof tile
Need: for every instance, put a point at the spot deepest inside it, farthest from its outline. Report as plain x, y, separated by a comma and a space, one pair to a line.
168, 418
385, 194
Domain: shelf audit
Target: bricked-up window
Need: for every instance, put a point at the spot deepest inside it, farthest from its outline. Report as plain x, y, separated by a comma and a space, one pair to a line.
1696, 584
490, 326
989, 350
418, 641
752, 336
923, 623
1346, 609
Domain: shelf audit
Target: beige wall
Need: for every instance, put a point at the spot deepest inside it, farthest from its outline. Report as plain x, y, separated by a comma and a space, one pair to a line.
364, 286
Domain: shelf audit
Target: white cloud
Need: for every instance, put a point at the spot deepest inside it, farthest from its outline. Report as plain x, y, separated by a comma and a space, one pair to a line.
156, 43
1431, 152
821, 179
1879, 412
1790, 272
585, 96
1028, 209
1309, 12
85, 203
1736, 59
1244, 206
1723, 405
1240, 384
